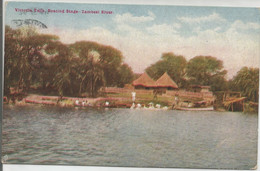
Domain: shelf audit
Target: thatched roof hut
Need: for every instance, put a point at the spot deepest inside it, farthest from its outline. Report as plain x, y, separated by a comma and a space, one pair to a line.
144, 81
165, 81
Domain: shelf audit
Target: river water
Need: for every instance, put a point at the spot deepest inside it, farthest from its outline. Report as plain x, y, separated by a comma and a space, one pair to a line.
125, 137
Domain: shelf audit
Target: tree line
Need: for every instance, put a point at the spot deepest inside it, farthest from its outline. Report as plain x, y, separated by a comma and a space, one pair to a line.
43, 62
206, 70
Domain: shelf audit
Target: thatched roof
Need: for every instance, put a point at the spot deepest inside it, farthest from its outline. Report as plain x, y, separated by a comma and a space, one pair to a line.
144, 80
165, 81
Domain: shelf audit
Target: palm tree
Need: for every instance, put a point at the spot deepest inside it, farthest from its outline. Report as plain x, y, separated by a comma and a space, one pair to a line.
23, 56
95, 75
247, 81
62, 81
64, 64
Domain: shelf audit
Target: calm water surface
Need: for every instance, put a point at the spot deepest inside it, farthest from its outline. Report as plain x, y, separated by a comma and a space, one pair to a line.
124, 137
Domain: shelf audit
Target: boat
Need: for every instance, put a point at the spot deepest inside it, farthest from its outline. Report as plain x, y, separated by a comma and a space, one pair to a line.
210, 108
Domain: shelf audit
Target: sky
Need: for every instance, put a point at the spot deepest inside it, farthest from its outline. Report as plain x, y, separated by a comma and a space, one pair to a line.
143, 32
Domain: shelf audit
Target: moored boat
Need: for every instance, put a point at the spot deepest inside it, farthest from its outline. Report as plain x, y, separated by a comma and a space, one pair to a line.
210, 108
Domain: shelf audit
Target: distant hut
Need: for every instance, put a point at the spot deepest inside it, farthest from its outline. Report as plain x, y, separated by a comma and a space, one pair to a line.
144, 82
199, 88
166, 83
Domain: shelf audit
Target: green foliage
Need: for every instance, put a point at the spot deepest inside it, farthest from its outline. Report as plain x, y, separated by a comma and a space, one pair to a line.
173, 64
247, 81
111, 61
207, 70
201, 70
47, 64
99, 65
24, 57
96, 78
126, 75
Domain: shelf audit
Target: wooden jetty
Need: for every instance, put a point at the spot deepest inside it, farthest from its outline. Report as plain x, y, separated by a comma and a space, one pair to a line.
236, 104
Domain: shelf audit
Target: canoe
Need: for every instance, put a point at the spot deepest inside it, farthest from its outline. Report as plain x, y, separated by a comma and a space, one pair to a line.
196, 109
40, 102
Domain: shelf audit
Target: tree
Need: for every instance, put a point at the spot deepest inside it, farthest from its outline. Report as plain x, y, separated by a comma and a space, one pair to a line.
173, 64
64, 68
10, 59
218, 82
90, 73
247, 81
126, 75
206, 70
111, 61
42, 61
24, 56
95, 75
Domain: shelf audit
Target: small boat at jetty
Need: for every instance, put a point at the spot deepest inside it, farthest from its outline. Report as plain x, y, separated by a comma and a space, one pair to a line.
210, 108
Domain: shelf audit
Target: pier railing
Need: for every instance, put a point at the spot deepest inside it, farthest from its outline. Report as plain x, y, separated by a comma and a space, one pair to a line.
181, 93
125, 90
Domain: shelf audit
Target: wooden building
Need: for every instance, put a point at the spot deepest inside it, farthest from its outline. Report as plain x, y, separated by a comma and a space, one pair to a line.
199, 88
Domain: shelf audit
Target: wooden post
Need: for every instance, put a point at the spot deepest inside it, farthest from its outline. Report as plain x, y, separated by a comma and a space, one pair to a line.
243, 105
232, 107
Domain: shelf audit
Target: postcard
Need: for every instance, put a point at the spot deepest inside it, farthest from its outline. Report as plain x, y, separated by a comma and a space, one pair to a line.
125, 85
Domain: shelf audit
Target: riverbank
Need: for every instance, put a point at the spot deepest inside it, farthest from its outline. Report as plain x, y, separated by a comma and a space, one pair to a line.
118, 100
65, 101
